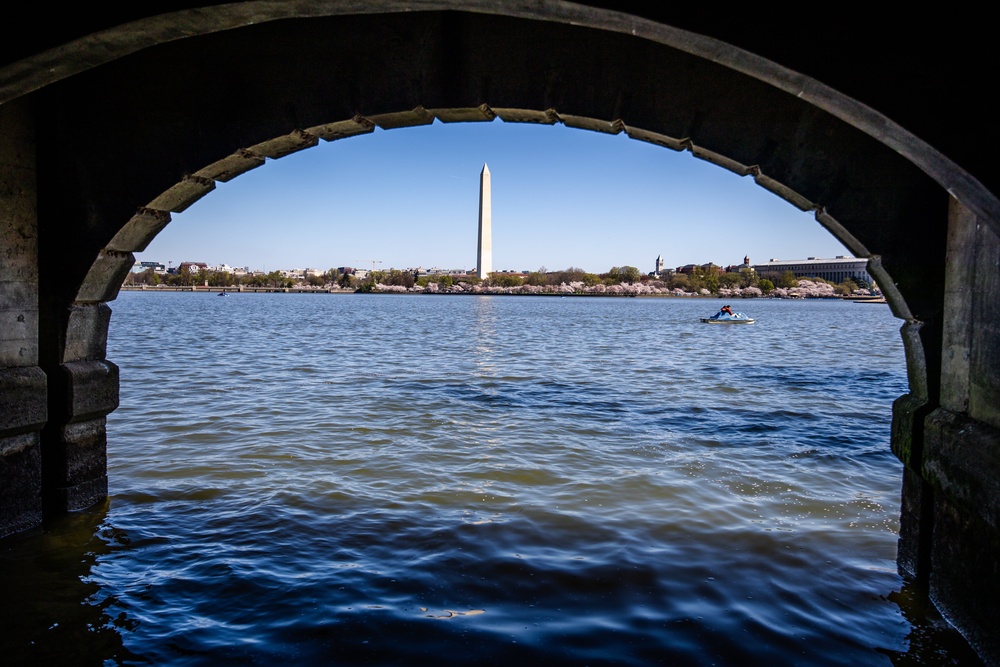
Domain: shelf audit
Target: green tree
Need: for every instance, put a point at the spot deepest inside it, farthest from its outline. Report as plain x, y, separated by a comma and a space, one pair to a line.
537, 278
729, 280
765, 285
787, 280
505, 280
631, 274
623, 274
679, 281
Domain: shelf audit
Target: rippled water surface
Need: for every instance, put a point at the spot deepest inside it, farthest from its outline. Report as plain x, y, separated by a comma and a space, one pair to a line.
383, 479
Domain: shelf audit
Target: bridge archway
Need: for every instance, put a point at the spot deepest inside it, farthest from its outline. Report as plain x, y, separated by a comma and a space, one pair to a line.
113, 132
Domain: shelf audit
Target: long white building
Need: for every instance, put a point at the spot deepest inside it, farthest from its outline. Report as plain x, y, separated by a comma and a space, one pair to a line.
836, 270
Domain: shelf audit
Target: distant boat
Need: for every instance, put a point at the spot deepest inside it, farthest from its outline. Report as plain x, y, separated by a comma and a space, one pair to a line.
728, 318
223, 293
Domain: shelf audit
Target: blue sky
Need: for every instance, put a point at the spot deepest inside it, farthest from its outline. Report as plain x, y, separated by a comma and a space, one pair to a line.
561, 197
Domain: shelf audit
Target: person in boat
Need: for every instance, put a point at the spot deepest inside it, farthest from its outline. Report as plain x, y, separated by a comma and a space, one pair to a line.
726, 309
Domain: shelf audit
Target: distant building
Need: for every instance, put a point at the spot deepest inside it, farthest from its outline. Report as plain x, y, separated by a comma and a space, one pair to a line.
709, 268
659, 265
836, 270
191, 267
158, 267
736, 268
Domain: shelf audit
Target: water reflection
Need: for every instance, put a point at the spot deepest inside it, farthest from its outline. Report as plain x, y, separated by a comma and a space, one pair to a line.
932, 641
484, 328
52, 611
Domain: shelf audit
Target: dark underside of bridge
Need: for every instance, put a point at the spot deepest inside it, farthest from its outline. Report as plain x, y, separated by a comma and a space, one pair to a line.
929, 72
890, 139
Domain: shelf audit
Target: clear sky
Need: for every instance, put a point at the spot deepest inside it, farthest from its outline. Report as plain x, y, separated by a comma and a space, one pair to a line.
561, 197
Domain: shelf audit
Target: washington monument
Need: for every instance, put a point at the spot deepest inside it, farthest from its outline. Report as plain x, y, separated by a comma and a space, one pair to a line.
484, 257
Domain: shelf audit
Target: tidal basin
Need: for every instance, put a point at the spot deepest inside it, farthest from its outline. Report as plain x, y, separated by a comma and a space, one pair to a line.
393, 479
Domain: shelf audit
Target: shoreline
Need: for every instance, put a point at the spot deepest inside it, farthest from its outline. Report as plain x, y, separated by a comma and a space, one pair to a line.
323, 290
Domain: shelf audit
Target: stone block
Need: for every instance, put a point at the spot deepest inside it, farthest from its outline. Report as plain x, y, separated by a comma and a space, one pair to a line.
414, 118
230, 167
87, 333
480, 114
340, 129
18, 337
720, 160
908, 414
961, 462
19, 295
285, 145
916, 359
18, 323
105, 277
23, 400
139, 230
90, 389
656, 138
593, 124
18, 238
20, 483
959, 278
79, 496
18, 352
182, 195
77, 454
547, 117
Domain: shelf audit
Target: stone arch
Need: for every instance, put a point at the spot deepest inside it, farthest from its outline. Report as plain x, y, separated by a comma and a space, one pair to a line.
120, 124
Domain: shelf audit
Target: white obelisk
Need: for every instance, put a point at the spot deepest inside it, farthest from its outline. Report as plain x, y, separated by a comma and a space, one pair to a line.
484, 258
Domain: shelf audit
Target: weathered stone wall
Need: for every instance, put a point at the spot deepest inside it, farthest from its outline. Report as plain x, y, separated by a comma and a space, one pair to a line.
22, 383
960, 463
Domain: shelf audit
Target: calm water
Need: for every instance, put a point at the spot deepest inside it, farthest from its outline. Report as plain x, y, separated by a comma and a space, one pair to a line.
353, 479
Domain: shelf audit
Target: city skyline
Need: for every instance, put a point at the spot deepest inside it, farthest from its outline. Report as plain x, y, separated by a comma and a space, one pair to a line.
561, 197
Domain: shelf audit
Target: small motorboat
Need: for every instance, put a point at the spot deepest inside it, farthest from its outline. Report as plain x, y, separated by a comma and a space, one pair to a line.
728, 318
